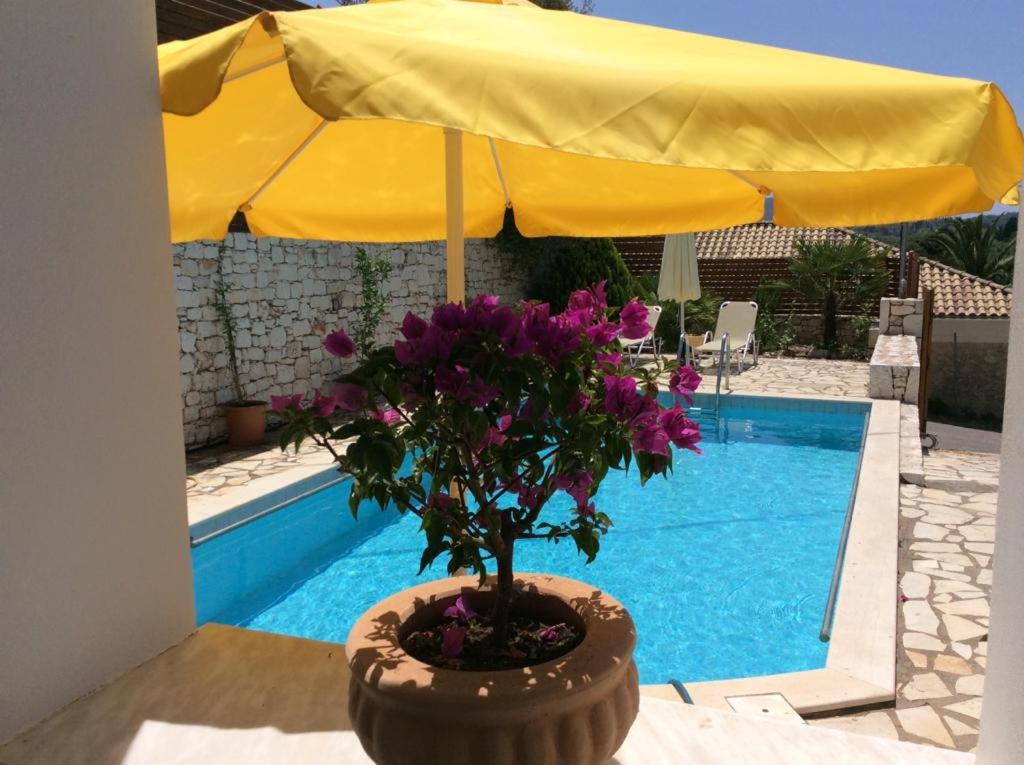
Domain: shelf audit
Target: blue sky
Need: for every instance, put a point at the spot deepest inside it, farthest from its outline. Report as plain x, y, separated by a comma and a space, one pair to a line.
981, 39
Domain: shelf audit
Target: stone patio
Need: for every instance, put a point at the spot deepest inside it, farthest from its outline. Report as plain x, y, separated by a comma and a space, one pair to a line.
946, 539
216, 470
774, 376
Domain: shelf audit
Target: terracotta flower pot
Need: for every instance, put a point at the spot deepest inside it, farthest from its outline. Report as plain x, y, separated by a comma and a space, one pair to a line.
575, 709
247, 422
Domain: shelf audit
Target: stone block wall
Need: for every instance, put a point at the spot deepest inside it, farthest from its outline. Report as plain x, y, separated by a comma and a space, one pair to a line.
286, 294
901, 316
808, 329
895, 370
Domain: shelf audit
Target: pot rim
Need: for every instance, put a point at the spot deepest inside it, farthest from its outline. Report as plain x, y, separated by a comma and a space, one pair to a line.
248, 403
379, 662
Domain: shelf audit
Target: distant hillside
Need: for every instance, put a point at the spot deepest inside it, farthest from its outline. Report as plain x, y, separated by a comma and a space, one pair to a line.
918, 230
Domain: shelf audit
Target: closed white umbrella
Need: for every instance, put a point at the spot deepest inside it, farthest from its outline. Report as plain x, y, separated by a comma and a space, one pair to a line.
679, 279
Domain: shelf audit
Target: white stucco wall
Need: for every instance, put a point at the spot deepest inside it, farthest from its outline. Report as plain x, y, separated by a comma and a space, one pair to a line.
94, 565
1002, 713
971, 330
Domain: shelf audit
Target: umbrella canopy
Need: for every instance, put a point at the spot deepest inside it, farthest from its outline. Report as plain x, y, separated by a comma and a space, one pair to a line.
339, 124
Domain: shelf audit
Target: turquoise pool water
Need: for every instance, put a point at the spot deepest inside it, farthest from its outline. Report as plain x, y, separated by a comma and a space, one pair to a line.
725, 566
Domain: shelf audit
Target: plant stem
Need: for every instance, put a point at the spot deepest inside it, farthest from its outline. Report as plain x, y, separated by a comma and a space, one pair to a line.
503, 593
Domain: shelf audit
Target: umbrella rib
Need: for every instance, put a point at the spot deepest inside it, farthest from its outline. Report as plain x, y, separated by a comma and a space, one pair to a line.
247, 205
762, 190
501, 173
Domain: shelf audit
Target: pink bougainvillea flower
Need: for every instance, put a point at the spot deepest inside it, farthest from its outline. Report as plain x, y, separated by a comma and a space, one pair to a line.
460, 610
586, 511
634, 320
621, 397
492, 437
387, 415
339, 344
324, 405
441, 501
413, 327
451, 382
604, 332
683, 382
612, 360
651, 438
434, 345
550, 633
578, 403
350, 397
449, 317
680, 429
577, 485
478, 393
453, 640
280, 403
530, 497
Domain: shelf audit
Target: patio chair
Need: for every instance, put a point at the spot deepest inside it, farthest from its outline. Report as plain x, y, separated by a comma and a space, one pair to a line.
736, 320
634, 348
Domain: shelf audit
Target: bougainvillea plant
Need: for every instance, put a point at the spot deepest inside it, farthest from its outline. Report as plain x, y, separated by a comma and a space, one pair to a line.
501, 408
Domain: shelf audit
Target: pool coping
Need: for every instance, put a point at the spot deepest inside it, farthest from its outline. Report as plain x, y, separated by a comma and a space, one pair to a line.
861, 666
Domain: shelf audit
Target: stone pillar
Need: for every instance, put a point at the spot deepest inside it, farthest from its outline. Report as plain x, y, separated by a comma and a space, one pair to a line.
94, 558
1002, 713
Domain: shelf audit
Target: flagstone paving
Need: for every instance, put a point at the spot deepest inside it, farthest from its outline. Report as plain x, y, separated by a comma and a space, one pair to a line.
945, 575
217, 470
784, 375
774, 376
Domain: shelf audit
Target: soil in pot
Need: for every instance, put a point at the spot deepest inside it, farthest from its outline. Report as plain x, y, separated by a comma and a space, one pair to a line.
464, 639
246, 422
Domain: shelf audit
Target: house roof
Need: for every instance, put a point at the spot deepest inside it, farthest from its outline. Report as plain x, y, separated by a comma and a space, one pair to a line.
733, 261
184, 19
961, 295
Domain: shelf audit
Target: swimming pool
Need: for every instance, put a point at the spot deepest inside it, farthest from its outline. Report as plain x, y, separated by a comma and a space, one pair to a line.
725, 567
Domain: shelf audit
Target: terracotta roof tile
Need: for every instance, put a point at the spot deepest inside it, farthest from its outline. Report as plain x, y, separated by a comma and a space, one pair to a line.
959, 294
734, 260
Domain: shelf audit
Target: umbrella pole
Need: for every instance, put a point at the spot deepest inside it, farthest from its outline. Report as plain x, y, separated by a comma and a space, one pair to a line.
682, 331
453, 199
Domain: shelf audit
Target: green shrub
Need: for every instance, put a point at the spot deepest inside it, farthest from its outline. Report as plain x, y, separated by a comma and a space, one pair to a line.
773, 333
561, 265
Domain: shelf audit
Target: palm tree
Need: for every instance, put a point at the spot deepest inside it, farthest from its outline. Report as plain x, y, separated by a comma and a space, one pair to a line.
971, 246
842, 276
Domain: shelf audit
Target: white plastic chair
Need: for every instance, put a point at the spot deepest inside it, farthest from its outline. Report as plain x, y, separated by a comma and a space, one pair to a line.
634, 348
736, 320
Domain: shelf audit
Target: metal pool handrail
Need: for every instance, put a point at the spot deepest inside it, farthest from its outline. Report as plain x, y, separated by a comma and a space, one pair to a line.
837, 570
722, 362
681, 690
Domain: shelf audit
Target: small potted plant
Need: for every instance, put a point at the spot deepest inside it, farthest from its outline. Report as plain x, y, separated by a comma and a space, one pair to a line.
496, 424
246, 418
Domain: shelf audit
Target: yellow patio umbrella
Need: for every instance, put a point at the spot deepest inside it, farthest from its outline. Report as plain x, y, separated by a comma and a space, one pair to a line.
420, 119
